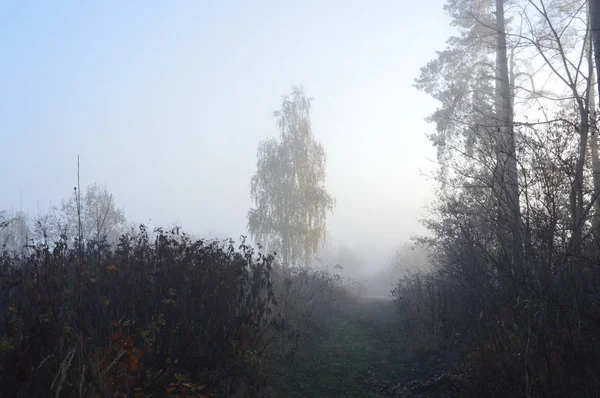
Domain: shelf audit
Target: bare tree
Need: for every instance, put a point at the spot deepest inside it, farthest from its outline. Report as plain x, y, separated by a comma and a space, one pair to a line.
101, 219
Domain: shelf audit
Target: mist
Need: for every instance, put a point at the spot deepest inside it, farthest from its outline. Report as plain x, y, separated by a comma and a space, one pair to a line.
329, 198
167, 107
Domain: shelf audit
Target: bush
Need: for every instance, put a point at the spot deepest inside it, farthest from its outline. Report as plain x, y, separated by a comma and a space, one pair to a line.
156, 315
515, 339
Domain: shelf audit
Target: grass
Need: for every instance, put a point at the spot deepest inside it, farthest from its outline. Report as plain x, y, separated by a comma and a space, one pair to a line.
359, 349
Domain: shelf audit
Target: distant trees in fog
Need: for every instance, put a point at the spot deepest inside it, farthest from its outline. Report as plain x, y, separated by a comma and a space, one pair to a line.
101, 221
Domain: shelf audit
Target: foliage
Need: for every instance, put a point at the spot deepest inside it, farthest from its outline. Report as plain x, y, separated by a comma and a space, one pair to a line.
525, 320
288, 187
461, 78
160, 315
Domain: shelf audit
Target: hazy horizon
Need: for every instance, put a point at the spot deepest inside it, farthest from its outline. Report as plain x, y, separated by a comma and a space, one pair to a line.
166, 104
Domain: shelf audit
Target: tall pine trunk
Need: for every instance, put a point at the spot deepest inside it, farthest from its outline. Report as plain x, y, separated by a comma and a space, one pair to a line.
593, 52
509, 211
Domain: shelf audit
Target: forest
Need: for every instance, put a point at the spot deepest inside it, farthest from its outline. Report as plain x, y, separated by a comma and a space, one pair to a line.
499, 297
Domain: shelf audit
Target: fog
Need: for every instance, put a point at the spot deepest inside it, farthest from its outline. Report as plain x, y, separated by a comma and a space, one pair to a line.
426, 174
166, 103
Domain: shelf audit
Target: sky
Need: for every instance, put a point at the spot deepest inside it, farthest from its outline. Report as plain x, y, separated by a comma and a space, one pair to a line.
166, 103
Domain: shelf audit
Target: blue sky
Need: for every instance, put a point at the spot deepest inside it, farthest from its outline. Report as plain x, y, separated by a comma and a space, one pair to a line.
166, 102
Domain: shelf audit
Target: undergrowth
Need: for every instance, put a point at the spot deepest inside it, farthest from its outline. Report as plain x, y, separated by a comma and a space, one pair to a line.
158, 314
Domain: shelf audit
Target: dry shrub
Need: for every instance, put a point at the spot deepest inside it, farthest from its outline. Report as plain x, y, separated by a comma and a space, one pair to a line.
515, 339
156, 315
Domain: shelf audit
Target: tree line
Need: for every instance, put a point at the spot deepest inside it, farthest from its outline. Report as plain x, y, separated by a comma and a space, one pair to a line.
514, 227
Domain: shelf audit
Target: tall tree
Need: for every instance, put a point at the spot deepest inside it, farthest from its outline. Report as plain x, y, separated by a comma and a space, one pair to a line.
461, 78
288, 188
560, 39
594, 11
593, 115
509, 211
593, 42
477, 280
474, 80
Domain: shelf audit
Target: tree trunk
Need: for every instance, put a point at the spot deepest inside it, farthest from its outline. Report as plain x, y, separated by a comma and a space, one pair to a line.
595, 163
285, 250
579, 214
593, 48
594, 10
509, 212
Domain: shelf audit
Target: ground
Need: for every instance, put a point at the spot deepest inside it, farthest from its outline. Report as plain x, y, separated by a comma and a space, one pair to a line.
362, 353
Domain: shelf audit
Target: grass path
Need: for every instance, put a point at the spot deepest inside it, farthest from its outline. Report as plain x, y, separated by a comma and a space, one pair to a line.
361, 346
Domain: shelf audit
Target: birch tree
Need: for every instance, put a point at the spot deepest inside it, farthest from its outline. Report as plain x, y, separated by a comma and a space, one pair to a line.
288, 188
